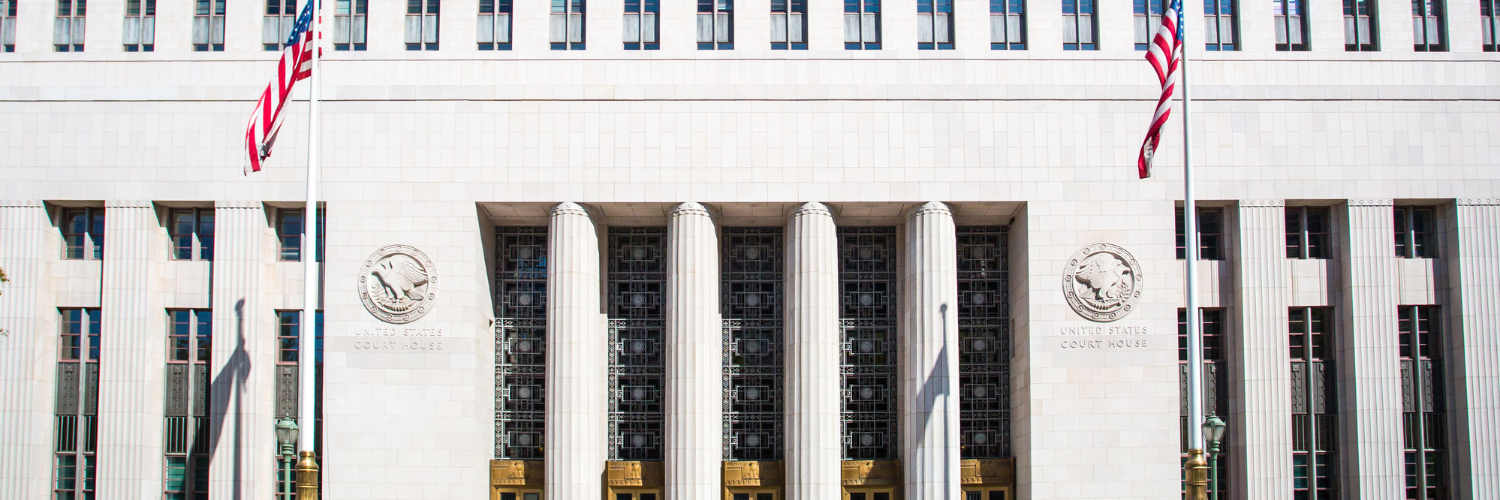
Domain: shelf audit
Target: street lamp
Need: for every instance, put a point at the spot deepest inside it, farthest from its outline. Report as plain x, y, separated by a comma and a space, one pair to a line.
286, 436
1213, 432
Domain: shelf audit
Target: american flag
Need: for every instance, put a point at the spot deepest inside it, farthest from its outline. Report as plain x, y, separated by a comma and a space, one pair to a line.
1164, 54
296, 65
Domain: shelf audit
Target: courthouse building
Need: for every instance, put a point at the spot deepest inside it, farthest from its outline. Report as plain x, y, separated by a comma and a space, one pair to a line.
645, 250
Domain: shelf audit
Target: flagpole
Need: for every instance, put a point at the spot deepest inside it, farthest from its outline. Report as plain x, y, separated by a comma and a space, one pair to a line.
306, 345
1192, 245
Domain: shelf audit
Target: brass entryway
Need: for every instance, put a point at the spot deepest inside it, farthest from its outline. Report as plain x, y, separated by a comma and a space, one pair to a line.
516, 480
754, 480
872, 480
988, 479
631, 480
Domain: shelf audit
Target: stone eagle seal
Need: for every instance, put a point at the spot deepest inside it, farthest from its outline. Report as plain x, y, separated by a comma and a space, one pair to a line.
1102, 282
398, 284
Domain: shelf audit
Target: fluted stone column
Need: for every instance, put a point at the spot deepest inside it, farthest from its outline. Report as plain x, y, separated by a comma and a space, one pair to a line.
929, 344
242, 374
133, 352
813, 443
576, 383
1372, 462
28, 361
693, 345
1474, 347
1260, 425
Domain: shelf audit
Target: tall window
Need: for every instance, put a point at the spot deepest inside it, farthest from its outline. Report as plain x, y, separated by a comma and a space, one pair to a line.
83, 233
1291, 24
1314, 405
8, 25
208, 26
636, 282
1428, 21
520, 342
67, 32
276, 27
185, 440
349, 24
789, 24
192, 231
935, 24
1215, 380
566, 28
1079, 26
867, 334
287, 388
75, 426
140, 25
1007, 24
1219, 25
1416, 232
1359, 26
1210, 234
1307, 233
422, 24
289, 230
862, 24
1489, 23
751, 298
1147, 18
1424, 402
640, 24
715, 24
983, 343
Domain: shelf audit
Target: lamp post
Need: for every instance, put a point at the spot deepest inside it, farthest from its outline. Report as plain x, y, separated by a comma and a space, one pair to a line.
1213, 432
286, 436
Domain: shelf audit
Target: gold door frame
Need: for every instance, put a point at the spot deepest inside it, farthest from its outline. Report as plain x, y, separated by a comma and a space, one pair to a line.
754, 477
872, 476
633, 477
989, 475
517, 476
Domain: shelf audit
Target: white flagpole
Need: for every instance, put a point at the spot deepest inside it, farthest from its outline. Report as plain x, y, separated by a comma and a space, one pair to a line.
1191, 244
307, 341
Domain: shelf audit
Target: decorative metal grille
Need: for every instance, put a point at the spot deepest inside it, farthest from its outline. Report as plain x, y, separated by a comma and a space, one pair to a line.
76, 430
867, 337
984, 343
637, 280
520, 342
1215, 381
1314, 414
1423, 402
751, 301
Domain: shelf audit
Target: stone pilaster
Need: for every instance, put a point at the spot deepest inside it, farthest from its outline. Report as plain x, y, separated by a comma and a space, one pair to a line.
133, 356
242, 370
1371, 462
813, 442
1259, 424
1473, 348
693, 343
576, 382
929, 347
28, 343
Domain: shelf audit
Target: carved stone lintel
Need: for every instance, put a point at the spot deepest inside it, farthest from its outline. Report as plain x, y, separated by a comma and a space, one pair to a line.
988, 472
21, 203
237, 204
754, 474
1263, 203
634, 474
1385, 202
1474, 202
127, 204
872, 473
521, 473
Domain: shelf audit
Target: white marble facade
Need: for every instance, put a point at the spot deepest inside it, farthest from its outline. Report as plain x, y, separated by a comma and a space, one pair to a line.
437, 149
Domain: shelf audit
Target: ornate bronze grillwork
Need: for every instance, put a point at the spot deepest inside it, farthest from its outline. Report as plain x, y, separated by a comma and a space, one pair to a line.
751, 301
520, 342
984, 343
1423, 402
637, 280
1314, 411
867, 311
